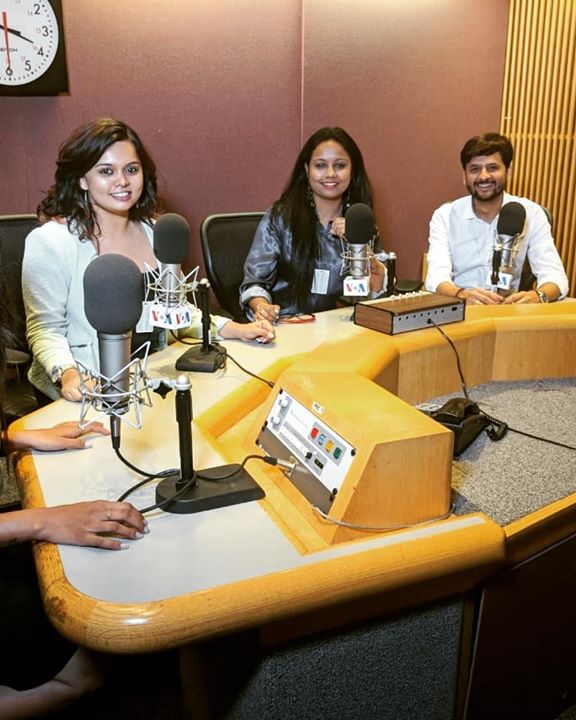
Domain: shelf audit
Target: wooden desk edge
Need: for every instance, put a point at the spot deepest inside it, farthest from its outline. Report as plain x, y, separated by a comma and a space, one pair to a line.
451, 557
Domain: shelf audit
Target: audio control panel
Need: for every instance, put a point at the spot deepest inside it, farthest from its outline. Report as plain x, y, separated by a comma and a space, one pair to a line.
295, 433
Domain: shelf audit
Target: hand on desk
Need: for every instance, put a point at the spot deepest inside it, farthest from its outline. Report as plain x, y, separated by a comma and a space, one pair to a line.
81, 524
260, 330
481, 296
64, 436
522, 298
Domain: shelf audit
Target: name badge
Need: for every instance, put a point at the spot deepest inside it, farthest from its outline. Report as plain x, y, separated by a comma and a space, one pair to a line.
504, 281
320, 281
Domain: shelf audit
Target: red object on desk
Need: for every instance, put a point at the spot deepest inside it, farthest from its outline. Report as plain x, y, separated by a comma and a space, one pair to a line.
297, 318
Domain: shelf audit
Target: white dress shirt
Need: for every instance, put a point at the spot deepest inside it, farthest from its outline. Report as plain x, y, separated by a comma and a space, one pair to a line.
461, 246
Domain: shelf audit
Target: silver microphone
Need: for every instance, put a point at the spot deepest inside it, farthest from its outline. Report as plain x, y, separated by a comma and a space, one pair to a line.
358, 250
113, 297
167, 288
509, 228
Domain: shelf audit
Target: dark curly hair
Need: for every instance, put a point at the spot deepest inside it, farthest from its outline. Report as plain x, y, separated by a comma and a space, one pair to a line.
298, 214
77, 155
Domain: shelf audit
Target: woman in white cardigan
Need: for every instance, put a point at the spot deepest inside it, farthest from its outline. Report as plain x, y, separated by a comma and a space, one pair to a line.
103, 200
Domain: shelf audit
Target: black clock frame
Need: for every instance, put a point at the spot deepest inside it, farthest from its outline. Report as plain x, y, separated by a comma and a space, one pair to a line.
55, 80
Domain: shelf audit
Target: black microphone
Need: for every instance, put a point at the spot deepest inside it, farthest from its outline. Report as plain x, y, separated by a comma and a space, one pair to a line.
113, 297
171, 244
358, 238
510, 225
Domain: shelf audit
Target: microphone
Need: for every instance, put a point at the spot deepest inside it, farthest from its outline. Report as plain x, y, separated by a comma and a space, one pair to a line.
167, 287
171, 243
510, 225
113, 296
358, 249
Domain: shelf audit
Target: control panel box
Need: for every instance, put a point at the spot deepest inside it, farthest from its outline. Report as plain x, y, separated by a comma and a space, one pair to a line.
360, 458
322, 456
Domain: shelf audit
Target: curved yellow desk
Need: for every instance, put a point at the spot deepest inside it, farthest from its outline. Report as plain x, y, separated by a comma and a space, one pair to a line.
257, 564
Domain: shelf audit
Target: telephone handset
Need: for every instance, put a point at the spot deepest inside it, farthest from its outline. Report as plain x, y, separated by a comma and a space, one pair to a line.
456, 410
464, 418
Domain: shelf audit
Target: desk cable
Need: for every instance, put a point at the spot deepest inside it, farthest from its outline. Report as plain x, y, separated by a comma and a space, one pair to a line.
497, 428
381, 528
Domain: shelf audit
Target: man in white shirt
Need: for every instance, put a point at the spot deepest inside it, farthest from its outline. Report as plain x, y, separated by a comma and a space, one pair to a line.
463, 235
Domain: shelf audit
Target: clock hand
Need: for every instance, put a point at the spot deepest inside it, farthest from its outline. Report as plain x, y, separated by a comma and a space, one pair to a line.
14, 32
5, 25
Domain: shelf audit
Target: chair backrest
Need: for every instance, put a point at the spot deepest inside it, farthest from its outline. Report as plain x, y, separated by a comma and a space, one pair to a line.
226, 240
527, 278
13, 232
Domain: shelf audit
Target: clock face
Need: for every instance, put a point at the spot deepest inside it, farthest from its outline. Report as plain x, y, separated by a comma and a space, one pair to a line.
28, 40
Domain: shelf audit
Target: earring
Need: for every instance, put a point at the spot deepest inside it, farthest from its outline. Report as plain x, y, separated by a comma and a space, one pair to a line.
346, 203
310, 197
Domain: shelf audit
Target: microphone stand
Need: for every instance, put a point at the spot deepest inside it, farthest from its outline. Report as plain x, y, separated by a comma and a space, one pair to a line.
206, 489
207, 357
390, 274
496, 262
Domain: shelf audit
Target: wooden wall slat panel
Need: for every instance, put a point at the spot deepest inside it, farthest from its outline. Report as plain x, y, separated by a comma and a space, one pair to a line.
539, 112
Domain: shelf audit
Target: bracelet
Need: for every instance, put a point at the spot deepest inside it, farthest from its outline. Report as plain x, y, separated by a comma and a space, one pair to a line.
460, 290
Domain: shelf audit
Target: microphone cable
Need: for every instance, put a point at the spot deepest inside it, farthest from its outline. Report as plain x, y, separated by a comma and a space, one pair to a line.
497, 429
248, 372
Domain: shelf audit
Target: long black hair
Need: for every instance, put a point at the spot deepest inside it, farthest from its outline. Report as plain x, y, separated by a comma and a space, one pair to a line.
77, 155
299, 214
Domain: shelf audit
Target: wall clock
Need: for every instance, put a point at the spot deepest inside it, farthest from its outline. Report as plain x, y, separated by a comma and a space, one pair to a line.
32, 52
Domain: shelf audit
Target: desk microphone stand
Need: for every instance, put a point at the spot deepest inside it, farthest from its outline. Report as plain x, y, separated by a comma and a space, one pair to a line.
206, 489
390, 273
207, 357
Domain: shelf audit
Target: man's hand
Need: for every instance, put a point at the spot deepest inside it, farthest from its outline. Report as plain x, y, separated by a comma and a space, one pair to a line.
522, 298
481, 296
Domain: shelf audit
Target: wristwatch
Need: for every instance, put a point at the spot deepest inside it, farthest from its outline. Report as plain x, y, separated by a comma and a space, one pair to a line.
542, 297
57, 372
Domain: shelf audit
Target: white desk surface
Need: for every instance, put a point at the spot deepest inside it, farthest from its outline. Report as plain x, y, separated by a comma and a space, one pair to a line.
182, 553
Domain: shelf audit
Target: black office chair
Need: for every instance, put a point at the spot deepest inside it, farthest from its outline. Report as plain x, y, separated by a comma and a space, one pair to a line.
226, 239
13, 232
18, 396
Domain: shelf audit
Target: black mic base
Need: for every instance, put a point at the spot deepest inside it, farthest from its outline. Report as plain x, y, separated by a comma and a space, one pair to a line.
202, 359
208, 492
